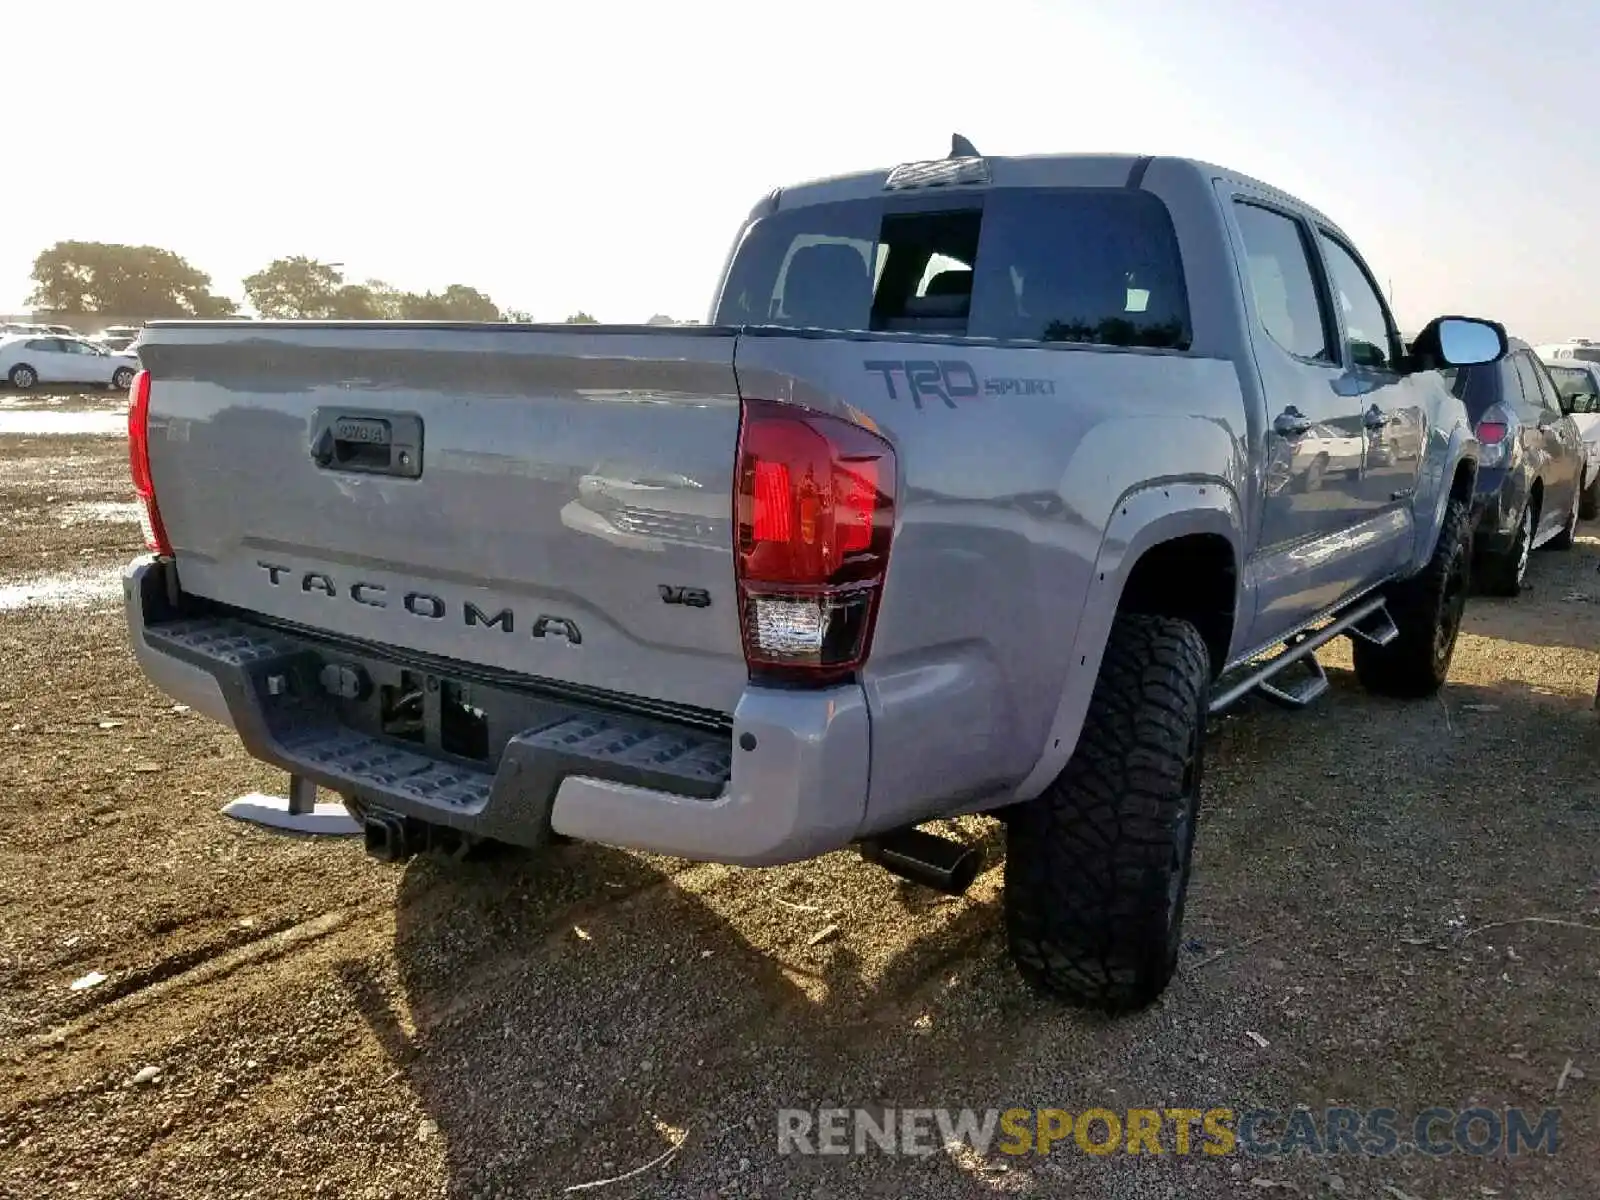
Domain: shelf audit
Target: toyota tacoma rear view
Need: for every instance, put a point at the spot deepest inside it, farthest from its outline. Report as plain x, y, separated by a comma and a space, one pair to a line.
988, 480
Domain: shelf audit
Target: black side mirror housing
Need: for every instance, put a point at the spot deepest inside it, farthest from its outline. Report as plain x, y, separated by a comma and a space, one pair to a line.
1457, 342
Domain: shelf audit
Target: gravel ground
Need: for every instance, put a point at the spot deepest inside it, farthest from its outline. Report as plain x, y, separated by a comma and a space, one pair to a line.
283, 1017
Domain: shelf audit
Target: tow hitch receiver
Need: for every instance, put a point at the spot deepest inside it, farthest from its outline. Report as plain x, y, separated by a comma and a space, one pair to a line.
395, 838
386, 837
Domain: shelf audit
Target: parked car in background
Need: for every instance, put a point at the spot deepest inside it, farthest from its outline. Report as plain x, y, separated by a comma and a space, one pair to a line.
1581, 349
118, 337
61, 330
1577, 383
1530, 465
26, 361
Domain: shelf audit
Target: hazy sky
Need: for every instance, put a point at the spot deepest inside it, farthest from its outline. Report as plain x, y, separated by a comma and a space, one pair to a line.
600, 155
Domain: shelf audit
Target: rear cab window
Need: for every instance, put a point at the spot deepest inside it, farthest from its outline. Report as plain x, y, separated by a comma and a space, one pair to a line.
1097, 266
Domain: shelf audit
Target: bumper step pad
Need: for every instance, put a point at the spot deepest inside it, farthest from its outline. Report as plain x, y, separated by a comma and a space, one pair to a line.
281, 711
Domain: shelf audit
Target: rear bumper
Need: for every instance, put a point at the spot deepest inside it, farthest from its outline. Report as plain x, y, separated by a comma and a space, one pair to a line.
1494, 518
786, 782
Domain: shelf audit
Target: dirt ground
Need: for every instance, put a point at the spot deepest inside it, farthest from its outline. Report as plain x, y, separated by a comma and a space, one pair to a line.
284, 1017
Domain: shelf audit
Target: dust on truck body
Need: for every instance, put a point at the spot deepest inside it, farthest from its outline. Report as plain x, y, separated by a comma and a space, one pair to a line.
987, 481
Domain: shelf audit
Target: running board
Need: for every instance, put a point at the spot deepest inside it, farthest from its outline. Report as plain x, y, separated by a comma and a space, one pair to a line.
1369, 621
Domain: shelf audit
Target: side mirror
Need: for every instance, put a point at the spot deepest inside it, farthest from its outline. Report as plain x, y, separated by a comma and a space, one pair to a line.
1458, 342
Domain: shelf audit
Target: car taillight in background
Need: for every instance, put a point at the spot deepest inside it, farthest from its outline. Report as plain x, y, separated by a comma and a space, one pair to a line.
1492, 429
813, 518
155, 534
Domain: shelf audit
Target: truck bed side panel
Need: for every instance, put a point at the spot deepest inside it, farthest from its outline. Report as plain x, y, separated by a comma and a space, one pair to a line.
1004, 503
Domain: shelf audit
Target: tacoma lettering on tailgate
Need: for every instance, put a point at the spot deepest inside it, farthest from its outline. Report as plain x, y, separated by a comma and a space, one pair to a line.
421, 604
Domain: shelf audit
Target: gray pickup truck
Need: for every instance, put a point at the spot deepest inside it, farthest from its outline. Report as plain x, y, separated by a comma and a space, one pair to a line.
988, 480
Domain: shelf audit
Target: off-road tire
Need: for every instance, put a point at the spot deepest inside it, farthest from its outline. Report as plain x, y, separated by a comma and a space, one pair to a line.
1589, 500
1097, 866
1506, 573
1426, 608
23, 377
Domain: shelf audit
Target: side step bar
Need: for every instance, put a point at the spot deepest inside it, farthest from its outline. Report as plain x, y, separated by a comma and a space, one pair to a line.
1370, 621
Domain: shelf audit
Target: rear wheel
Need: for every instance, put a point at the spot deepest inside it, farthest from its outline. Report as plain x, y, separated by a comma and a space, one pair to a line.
23, 377
1097, 867
123, 379
1426, 609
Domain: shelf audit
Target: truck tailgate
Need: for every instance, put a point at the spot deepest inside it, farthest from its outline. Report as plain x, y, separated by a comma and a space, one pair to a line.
550, 502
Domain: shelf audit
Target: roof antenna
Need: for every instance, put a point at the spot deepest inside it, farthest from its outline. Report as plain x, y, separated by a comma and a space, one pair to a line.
961, 148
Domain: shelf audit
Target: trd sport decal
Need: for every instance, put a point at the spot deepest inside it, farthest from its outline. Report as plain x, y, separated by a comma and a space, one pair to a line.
950, 380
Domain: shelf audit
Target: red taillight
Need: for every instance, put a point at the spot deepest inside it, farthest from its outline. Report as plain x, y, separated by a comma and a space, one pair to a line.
1491, 433
155, 534
813, 515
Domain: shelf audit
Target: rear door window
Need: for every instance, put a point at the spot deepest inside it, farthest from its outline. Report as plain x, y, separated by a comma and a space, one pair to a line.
1547, 391
1096, 266
1288, 302
1522, 363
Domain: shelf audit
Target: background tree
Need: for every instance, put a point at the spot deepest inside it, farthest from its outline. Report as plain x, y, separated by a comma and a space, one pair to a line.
456, 303
581, 318
134, 281
518, 316
304, 288
296, 287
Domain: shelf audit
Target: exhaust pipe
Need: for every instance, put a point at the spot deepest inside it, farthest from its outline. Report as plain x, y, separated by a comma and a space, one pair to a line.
926, 858
386, 838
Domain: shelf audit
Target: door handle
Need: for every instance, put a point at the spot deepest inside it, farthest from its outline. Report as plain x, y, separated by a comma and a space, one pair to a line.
1291, 423
1376, 418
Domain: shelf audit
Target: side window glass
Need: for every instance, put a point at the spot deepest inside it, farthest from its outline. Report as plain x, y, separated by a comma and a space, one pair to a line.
1282, 283
1510, 380
1547, 389
1531, 396
1367, 328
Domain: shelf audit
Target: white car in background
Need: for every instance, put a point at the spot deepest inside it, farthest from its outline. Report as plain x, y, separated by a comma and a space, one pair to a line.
1577, 381
27, 360
117, 337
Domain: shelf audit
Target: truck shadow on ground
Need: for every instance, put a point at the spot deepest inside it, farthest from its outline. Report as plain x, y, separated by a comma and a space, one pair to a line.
598, 994
571, 1016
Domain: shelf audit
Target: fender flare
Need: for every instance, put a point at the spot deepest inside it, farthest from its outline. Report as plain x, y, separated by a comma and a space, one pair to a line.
1143, 517
1433, 490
